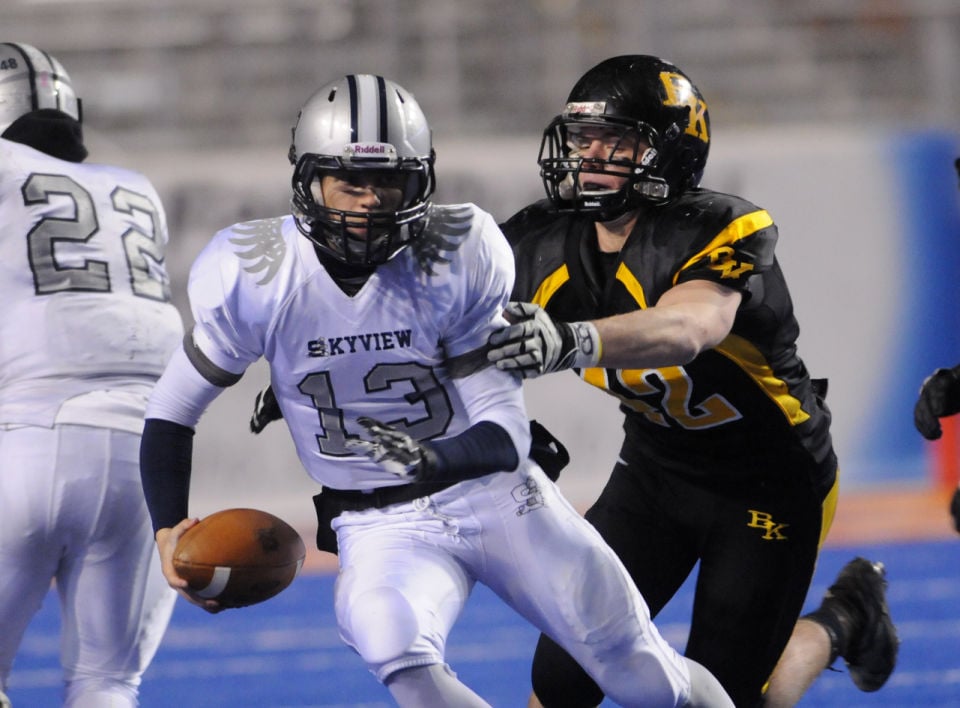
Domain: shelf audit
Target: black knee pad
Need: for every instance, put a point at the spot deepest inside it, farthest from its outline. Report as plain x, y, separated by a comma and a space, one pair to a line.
558, 680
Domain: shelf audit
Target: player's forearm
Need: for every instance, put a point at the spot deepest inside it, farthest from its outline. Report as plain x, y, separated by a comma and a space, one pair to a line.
652, 338
480, 449
166, 453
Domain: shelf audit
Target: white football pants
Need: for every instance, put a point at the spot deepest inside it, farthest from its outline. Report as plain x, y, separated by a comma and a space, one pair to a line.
72, 512
407, 570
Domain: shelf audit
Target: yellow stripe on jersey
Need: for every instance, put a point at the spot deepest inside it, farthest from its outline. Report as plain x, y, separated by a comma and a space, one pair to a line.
738, 229
829, 510
550, 285
632, 285
596, 377
749, 358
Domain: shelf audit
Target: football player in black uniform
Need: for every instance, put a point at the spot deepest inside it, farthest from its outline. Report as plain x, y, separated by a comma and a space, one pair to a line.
669, 297
940, 397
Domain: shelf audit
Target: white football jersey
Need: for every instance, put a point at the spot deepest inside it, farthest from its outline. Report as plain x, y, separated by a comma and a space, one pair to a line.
87, 324
258, 289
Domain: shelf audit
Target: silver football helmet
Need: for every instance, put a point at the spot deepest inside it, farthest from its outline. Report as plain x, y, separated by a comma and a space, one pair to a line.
31, 79
362, 128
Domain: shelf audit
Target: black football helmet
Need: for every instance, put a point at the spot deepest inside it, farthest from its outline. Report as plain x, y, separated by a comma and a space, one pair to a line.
362, 127
654, 121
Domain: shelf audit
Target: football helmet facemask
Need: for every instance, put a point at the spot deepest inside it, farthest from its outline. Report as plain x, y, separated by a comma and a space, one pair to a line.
31, 79
652, 124
370, 132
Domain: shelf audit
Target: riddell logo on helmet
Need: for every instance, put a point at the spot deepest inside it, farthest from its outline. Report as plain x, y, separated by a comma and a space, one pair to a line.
375, 153
371, 148
580, 107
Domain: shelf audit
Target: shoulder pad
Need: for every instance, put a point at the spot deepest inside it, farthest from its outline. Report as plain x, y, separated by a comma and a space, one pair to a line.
708, 201
533, 217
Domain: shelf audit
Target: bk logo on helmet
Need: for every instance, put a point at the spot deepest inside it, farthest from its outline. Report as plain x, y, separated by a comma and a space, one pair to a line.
681, 93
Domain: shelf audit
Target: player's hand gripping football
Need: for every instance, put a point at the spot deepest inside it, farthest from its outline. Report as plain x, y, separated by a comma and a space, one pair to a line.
939, 397
393, 450
536, 344
265, 410
167, 540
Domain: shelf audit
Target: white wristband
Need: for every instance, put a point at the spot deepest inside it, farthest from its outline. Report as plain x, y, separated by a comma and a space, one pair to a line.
588, 347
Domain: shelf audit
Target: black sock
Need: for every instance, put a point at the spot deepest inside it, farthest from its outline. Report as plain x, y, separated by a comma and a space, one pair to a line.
836, 628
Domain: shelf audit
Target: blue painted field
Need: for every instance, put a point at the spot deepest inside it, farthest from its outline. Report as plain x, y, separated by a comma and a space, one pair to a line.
286, 652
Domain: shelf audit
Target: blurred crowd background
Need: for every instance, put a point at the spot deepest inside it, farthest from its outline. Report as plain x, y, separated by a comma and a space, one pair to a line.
812, 103
198, 73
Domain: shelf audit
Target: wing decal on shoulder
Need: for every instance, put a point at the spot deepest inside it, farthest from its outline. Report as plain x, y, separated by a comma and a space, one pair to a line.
446, 228
264, 246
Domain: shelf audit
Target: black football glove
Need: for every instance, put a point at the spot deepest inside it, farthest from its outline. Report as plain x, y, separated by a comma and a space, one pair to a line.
265, 410
535, 344
396, 452
939, 397
547, 451
955, 509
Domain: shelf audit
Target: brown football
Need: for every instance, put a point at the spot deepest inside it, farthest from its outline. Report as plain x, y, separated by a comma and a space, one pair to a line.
239, 557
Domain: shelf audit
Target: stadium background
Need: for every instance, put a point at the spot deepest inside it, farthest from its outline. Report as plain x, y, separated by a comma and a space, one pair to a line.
838, 116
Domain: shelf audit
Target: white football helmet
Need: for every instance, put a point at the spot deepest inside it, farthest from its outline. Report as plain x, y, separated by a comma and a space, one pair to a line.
31, 79
362, 126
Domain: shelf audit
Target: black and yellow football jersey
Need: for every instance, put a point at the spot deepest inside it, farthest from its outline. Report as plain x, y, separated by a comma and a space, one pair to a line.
740, 409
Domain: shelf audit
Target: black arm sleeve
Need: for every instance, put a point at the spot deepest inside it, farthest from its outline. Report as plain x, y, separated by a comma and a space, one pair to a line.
480, 449
166, 456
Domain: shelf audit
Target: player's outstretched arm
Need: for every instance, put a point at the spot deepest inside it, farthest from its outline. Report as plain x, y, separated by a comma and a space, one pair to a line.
689, 318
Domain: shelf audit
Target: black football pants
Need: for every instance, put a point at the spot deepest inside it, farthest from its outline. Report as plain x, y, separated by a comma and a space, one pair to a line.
757, 543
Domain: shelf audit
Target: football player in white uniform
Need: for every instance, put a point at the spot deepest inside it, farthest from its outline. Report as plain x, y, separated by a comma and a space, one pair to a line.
86, 331
364, 301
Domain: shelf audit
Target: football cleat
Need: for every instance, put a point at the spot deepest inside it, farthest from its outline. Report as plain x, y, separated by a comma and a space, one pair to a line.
858, 601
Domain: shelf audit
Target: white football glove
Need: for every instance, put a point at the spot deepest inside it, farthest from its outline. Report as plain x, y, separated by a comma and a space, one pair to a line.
535, 344
396, 452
